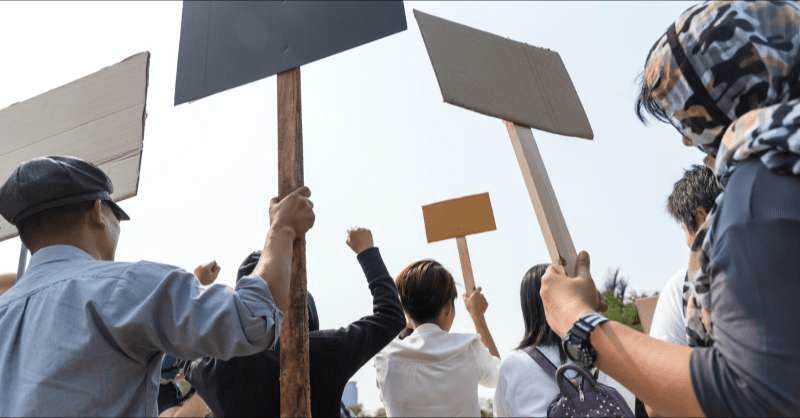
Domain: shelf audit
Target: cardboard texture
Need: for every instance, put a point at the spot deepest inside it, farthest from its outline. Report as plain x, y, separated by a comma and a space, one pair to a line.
99, 118
225, 44
506, 79
646, 308
458, 217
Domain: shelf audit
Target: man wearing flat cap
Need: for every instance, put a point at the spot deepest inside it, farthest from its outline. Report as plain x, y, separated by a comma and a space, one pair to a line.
84, 335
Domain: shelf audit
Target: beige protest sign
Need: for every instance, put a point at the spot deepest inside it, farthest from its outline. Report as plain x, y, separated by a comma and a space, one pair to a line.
646, 308
99, 118
525, 86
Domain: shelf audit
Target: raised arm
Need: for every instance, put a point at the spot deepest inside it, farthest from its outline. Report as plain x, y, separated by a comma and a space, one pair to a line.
290, 218
476, 306
657, 372
362, 339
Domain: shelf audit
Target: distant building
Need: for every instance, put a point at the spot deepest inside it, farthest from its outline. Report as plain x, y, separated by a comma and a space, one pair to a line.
350, 394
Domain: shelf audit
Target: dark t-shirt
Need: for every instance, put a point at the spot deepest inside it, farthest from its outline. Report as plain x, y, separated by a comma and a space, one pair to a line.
249, 386
753, 367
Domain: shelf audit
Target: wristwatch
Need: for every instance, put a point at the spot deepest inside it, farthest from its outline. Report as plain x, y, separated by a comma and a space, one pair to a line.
576, 342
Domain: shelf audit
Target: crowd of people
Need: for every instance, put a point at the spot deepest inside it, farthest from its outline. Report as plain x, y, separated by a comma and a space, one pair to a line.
726, 75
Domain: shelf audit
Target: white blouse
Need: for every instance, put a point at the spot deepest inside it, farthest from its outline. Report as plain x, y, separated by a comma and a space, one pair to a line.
525, 390
434, 373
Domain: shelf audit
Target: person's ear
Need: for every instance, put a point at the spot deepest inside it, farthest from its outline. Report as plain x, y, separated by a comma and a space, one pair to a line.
699, 217
96, 214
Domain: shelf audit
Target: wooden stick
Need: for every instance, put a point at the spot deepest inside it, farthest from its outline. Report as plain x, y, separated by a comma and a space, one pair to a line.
295, 383
23, 259
545, 204
466, 264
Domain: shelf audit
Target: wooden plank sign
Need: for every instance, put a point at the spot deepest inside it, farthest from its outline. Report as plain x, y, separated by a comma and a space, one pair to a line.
646, 308
457, 218
525, 86
99, 118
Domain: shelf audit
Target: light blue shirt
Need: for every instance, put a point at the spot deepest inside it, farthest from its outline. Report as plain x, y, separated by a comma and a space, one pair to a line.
80, 336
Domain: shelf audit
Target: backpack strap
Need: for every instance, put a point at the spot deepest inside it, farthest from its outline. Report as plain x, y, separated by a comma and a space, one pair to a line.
542, 360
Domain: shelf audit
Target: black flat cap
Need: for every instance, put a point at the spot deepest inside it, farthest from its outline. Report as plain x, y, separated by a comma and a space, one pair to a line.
49, 182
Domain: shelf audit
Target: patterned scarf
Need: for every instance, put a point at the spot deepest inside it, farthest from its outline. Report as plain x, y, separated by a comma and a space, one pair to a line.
727, 76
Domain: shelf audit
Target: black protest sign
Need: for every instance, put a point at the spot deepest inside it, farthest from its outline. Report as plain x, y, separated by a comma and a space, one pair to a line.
225, 44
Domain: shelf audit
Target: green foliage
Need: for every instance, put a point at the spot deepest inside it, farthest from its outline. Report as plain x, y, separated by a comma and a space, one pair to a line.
622, 312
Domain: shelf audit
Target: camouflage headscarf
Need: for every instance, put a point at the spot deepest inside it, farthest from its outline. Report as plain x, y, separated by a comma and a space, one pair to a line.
727, 76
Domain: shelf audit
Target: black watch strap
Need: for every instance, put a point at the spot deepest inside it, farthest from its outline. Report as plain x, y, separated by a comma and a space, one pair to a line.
576, 342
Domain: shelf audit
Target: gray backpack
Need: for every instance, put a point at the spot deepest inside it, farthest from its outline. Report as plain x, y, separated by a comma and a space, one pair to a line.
581, 396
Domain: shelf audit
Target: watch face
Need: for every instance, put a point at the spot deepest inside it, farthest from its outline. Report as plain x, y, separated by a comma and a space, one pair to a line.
573, 349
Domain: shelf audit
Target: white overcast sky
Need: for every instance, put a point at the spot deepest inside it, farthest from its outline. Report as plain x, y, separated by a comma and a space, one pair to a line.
379, 144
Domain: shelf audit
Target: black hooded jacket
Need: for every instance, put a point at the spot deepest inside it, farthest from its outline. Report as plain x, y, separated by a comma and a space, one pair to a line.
249, 386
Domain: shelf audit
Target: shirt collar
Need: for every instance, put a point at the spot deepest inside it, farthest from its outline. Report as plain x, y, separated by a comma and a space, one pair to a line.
428, 328
59, 252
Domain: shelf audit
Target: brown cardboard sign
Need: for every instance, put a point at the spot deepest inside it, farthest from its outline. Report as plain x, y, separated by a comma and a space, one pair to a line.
99, 118
646, 308
503, 78
458, 217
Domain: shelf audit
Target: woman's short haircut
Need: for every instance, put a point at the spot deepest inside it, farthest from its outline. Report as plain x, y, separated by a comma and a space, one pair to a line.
425, 287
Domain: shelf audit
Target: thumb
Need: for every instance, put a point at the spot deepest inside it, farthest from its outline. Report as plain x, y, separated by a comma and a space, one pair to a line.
582, 265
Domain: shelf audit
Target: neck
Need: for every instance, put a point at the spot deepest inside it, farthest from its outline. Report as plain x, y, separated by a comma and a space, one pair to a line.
87, 244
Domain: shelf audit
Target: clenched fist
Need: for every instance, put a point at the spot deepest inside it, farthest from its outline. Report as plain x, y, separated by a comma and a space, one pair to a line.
359, 239
207, 273
295, 212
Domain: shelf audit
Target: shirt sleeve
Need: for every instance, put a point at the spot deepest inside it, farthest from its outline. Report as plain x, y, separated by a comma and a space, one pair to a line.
162, 308
354, 345
668, 318
489, 364
501, 406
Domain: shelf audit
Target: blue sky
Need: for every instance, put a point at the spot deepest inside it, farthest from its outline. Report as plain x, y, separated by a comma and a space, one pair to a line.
379, 144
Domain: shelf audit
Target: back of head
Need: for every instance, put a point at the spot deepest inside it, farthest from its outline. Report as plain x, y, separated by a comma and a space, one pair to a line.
697, 189
247, 267
425, 287
537, 332
48, 195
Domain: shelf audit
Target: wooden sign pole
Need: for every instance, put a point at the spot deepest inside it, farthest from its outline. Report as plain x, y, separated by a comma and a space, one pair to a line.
466, 264
548, 212
295, 383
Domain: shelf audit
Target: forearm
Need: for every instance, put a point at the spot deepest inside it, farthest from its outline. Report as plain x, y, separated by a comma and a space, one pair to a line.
386, 307
192, 407
275, 264
656, 371
486, 336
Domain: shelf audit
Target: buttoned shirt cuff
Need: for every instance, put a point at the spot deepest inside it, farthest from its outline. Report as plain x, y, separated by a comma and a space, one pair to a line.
257, 301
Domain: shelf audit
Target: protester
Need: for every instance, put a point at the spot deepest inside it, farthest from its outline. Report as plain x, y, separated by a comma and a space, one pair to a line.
428, 371
689, 203
85, 335
250, 386
6, 281
726, 76
170, 390
523, 387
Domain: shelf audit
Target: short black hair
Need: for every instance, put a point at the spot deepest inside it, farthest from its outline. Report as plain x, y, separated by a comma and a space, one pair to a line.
698, 188
425, 287
51, 220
